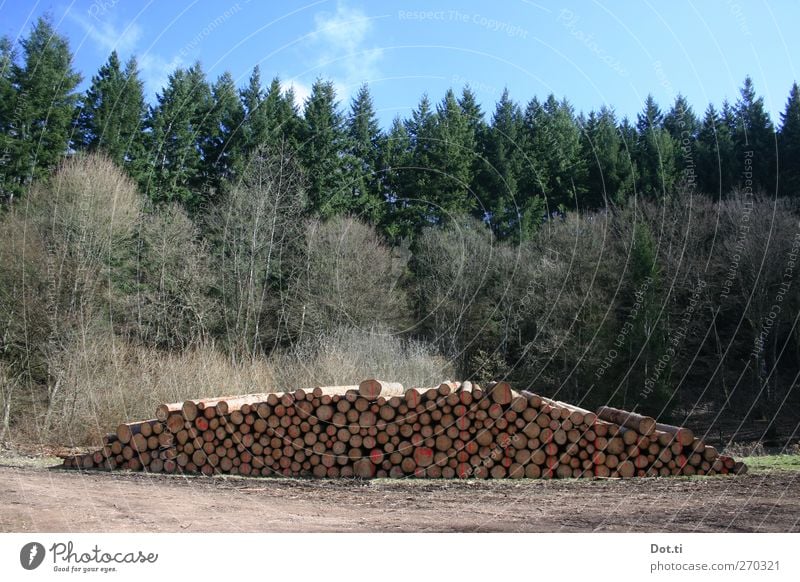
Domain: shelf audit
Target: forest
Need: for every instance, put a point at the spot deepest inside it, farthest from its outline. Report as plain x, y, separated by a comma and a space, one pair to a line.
223, 238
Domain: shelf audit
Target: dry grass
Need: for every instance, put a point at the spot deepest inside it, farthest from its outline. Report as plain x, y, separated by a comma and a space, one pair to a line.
349, 355
105, 381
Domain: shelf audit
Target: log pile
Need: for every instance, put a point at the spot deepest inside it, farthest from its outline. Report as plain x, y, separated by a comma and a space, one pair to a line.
379, 429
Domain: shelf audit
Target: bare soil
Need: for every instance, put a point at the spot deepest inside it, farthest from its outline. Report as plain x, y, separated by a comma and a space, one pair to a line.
38, 498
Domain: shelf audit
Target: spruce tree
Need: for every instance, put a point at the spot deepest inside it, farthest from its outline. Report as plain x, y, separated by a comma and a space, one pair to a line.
789, 141
680, 121
363, 150
111, 114
322, 143
283, 120
682, 125
608, 174
473, 113
533, 179
7, 99
42, 107
419, 180
451, 161
715, 157
395, 159
255, 126
223, 155
177, 126
754, 139
655, 153
498, 180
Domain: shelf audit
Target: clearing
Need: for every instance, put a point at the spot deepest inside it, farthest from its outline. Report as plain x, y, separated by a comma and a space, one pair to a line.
37, 497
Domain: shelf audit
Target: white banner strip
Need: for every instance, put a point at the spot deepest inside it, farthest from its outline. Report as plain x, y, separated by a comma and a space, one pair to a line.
386, 557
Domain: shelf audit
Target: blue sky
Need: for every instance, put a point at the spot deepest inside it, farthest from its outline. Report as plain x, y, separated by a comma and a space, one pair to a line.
593, 53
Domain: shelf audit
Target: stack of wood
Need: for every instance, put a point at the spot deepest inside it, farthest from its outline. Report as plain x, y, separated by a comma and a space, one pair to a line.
379, 429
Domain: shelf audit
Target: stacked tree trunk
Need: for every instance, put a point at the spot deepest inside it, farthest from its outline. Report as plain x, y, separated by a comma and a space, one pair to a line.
379, 429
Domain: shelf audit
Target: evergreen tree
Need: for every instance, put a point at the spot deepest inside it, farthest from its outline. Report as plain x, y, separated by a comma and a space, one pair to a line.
474, 115
565, 165
608, 173
654, 153
42, 107
533, 179
363, 150
553, 147
7, 100
282, 116
754, 138
395, 159
790, 145
255, 127
680, 121
322, 142
498, 180
177, 126
111, 114
451, 159
472, 111
682, 125
715, 157
222, 150
418, 181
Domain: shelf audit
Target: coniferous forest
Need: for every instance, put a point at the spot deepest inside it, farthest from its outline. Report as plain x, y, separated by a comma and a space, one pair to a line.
229, 234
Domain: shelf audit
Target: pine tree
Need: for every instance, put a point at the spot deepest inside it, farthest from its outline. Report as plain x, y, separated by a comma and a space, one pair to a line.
682, 125
789, 141
754, 138
498, 180
608, 173
223, 155
552, 144
322, 143
7, 100
533, 179
715, 156
655, 153
363, 150
475, 120
680, 121
177, 126
42, 107
111, 114
395, 159
418, 180
282, 116
255, 126
451, 159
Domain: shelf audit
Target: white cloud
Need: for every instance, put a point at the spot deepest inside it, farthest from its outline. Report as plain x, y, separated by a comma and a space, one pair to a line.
301, 91
344, 52
154, 68
107, 37
155, 71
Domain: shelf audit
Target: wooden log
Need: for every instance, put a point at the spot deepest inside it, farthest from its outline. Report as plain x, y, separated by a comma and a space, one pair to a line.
501, 393
645, 425
126, 431
191, 408
320, 391
682, 434
371, 389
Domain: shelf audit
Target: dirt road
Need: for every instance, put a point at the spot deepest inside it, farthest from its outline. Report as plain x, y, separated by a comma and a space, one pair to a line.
48, 500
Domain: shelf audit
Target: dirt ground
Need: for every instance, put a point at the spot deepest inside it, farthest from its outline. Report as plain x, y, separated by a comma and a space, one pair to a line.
35, 497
